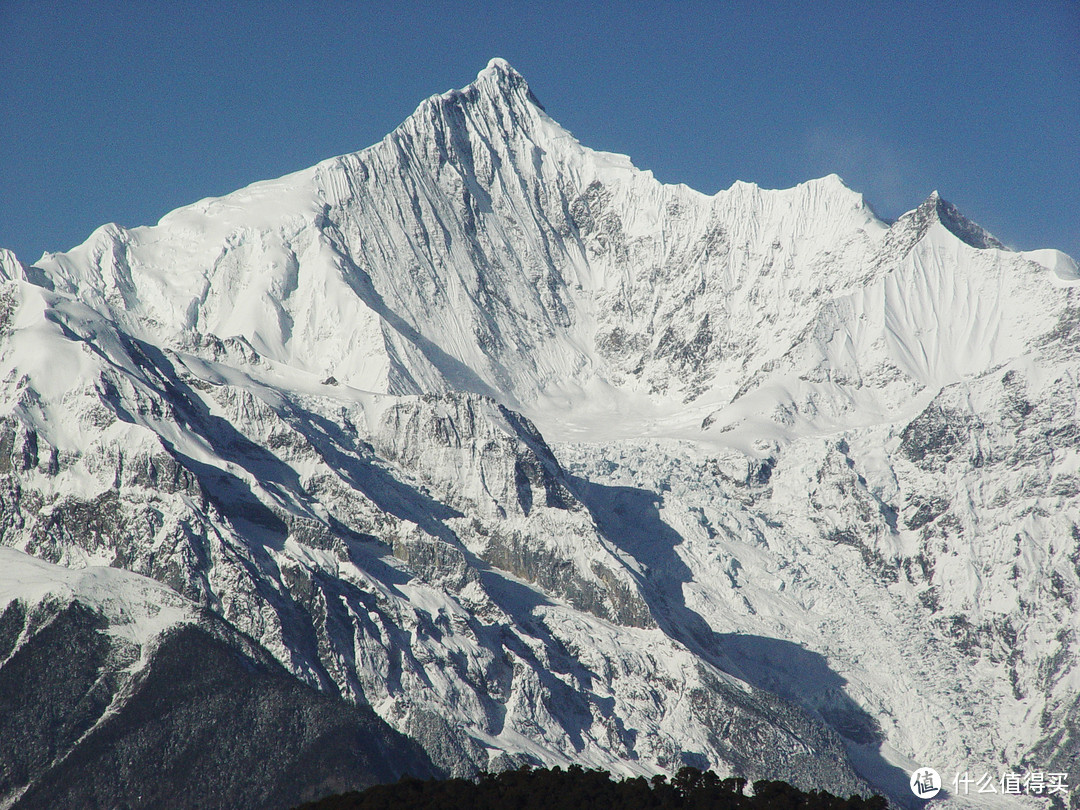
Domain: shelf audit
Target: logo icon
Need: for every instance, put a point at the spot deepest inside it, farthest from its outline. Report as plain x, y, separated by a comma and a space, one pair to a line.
925, 783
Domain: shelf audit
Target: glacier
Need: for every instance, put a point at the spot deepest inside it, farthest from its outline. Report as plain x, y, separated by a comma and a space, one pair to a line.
547, 462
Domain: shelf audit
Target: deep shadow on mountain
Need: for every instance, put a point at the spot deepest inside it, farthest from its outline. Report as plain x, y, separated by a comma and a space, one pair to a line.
211, 721
629, 518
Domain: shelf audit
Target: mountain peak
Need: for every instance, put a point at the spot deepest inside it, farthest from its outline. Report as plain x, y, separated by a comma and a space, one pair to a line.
912, 226
501, 74
501, 77
498, 68
937, 208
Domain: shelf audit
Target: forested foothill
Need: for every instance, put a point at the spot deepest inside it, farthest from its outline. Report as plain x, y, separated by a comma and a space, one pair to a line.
577, 788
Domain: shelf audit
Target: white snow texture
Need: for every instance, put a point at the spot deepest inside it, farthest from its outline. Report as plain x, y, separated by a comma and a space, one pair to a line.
480, 424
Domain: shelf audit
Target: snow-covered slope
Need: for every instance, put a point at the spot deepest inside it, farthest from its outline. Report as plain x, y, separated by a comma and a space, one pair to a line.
547, 461
479, 247
425, 555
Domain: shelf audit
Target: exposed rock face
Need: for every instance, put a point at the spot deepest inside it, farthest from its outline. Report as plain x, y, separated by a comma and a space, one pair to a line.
545, 461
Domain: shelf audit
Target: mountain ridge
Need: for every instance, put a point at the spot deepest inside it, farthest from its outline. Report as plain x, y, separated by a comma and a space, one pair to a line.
546, 461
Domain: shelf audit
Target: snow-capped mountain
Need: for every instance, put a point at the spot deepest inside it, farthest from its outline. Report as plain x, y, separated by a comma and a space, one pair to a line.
546, 461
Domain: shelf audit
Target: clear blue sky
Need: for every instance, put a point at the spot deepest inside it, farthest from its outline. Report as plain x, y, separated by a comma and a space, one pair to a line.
122, 111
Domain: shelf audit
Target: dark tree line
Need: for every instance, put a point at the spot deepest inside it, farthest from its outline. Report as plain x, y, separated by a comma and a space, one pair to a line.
582, 789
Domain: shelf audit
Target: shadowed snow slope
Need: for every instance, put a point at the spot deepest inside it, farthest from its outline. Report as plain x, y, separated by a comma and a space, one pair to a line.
546, 461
